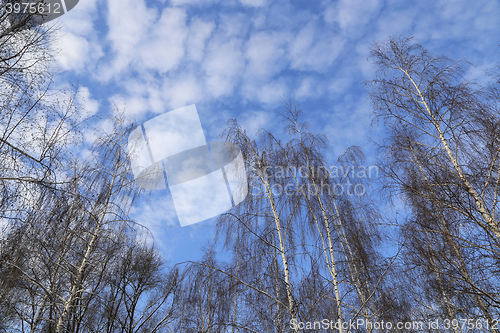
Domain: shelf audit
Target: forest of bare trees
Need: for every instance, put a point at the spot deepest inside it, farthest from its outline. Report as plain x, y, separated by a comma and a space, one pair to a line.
310, 249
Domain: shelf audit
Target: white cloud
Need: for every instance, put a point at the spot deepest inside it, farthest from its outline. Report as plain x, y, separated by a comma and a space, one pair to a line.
340, 85
81, 19
164, 45
156, 212
129, 22
308, 87
182, 91
253, 121
223, 65
193, 2
348, 123
312, 50
457, 20
233, 25
76, 40
105, 126
89, 105
254, 3
272, 93
134, 106
259, 21
75, 52
395, 22
199, 32
352, 15
155, 96
265, 53
155, 92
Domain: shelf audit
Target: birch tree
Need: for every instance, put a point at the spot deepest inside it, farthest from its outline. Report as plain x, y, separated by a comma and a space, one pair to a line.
37, 122
37, 126
306, 251
75, 260
442, 157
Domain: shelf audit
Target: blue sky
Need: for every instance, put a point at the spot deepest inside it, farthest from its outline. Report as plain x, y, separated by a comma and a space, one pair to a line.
238, 58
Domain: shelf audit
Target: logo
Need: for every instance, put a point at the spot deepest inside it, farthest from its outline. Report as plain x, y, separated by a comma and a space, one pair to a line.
205, 179
29, 13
